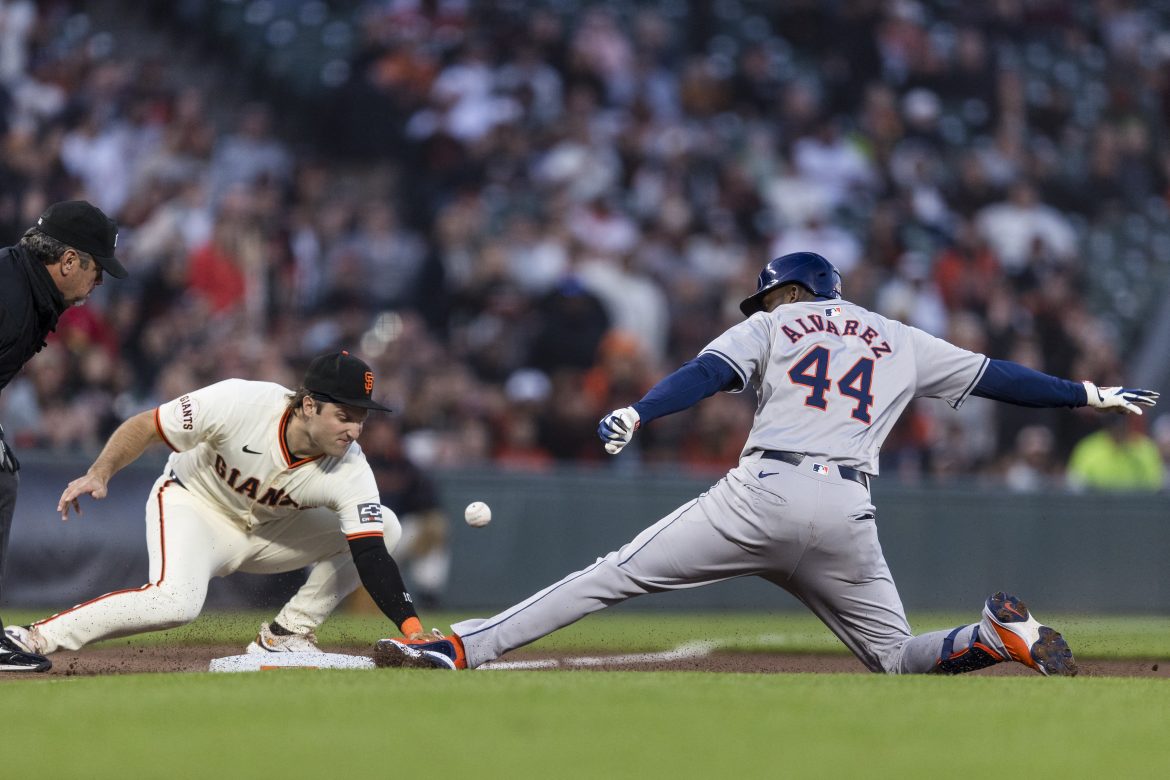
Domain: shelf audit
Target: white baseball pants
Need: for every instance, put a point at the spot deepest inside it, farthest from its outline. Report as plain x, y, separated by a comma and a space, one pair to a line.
189, 541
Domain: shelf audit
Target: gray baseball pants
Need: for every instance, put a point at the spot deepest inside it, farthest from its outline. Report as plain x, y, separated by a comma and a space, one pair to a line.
812, 534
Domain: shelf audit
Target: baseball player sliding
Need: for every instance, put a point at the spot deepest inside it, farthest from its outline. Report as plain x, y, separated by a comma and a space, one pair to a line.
261, 480
831, 379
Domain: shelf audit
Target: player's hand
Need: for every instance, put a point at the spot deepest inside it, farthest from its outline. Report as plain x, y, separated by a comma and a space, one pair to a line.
617, 428
90, 484
1120, 400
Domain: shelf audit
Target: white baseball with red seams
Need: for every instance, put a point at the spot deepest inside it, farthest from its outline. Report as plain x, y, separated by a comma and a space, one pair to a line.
477, 514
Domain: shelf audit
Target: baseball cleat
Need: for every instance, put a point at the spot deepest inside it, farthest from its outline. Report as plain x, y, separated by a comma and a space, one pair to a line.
442, 652
1024, 639
18, 651
268, 641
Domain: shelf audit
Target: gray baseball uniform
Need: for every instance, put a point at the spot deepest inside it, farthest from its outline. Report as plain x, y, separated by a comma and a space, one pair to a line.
831, 378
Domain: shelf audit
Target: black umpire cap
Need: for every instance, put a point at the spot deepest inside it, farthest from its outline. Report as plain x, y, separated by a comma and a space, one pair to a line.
84, 227
343, 379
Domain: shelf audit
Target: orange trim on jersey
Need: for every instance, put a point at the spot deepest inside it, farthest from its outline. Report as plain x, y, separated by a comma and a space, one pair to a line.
162, 541
364, 535
158, 427
284, 444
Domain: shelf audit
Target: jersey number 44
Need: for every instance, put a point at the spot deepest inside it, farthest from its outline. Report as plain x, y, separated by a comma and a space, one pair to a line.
812, 371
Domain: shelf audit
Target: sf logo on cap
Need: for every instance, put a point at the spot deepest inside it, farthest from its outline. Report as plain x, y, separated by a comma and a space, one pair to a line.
369, 382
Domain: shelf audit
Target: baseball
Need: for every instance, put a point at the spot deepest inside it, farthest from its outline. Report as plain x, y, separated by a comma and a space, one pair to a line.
477, 514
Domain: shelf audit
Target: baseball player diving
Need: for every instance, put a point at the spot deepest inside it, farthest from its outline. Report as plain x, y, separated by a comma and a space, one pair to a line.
831, 379
261, 480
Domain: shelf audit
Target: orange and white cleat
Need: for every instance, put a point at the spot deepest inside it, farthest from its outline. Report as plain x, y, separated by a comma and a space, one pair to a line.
440, 652
1024, 639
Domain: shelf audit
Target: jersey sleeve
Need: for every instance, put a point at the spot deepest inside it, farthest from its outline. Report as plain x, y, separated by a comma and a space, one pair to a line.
944, 370
745, 347
201, 415
359, 507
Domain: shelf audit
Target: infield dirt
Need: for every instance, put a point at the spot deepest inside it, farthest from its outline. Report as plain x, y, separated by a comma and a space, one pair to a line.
195, 658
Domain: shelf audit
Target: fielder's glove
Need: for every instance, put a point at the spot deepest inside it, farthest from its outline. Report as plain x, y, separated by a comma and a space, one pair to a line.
617, 428
1121, 400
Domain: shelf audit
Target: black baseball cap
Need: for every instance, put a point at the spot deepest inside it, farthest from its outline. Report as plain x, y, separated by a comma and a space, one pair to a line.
343, 379
84, 227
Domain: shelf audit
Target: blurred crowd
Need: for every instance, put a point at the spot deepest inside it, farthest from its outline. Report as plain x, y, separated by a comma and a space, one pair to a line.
524, 214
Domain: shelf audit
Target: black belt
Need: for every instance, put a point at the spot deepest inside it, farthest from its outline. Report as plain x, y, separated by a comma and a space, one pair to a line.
796, 458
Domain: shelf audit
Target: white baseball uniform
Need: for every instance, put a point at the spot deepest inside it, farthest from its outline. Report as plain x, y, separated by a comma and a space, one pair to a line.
232, 498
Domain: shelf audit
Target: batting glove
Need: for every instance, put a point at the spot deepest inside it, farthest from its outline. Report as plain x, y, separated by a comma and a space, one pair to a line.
1120, 400
617, 428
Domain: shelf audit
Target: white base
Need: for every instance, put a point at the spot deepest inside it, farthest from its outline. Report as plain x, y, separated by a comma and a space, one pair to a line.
270, 661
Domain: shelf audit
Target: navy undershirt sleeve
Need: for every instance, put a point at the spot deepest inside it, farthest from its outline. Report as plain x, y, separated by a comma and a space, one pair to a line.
1015, 384
691, 383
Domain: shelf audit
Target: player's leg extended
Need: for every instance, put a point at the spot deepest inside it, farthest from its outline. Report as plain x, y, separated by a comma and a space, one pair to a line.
185, 544
845, 581
687, 548
842, 575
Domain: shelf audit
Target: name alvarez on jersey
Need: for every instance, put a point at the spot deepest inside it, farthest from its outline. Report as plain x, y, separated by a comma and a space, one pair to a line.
818, 324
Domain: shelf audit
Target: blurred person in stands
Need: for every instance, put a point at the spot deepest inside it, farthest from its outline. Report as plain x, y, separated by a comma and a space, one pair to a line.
406, 489
1031, 465
1012, 228
1161, 433
518, 425
1119, 457
56, 264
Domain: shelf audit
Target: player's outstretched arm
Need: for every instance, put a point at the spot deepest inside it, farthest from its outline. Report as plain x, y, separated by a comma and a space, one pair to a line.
1013, 383
126, 444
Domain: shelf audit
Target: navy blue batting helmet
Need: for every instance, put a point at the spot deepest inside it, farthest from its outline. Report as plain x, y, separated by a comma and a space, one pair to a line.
808, 269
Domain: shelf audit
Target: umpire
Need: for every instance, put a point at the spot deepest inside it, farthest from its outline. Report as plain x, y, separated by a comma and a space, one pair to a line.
56, 264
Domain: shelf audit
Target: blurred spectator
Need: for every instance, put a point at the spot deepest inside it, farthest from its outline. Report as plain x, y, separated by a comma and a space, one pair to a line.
817, 234
526, 393
1031, 466
250, 155
406, 489
572, 322
1119, 457
1013, 228
966, 272
1161, 435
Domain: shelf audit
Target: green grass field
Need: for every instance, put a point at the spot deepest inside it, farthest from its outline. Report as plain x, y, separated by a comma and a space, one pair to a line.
364, 724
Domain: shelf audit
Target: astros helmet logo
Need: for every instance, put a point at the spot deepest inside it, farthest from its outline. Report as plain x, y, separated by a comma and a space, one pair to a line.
369, 382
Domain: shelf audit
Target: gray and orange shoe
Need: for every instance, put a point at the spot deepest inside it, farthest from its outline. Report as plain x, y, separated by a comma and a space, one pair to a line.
1024, 639
438, 652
